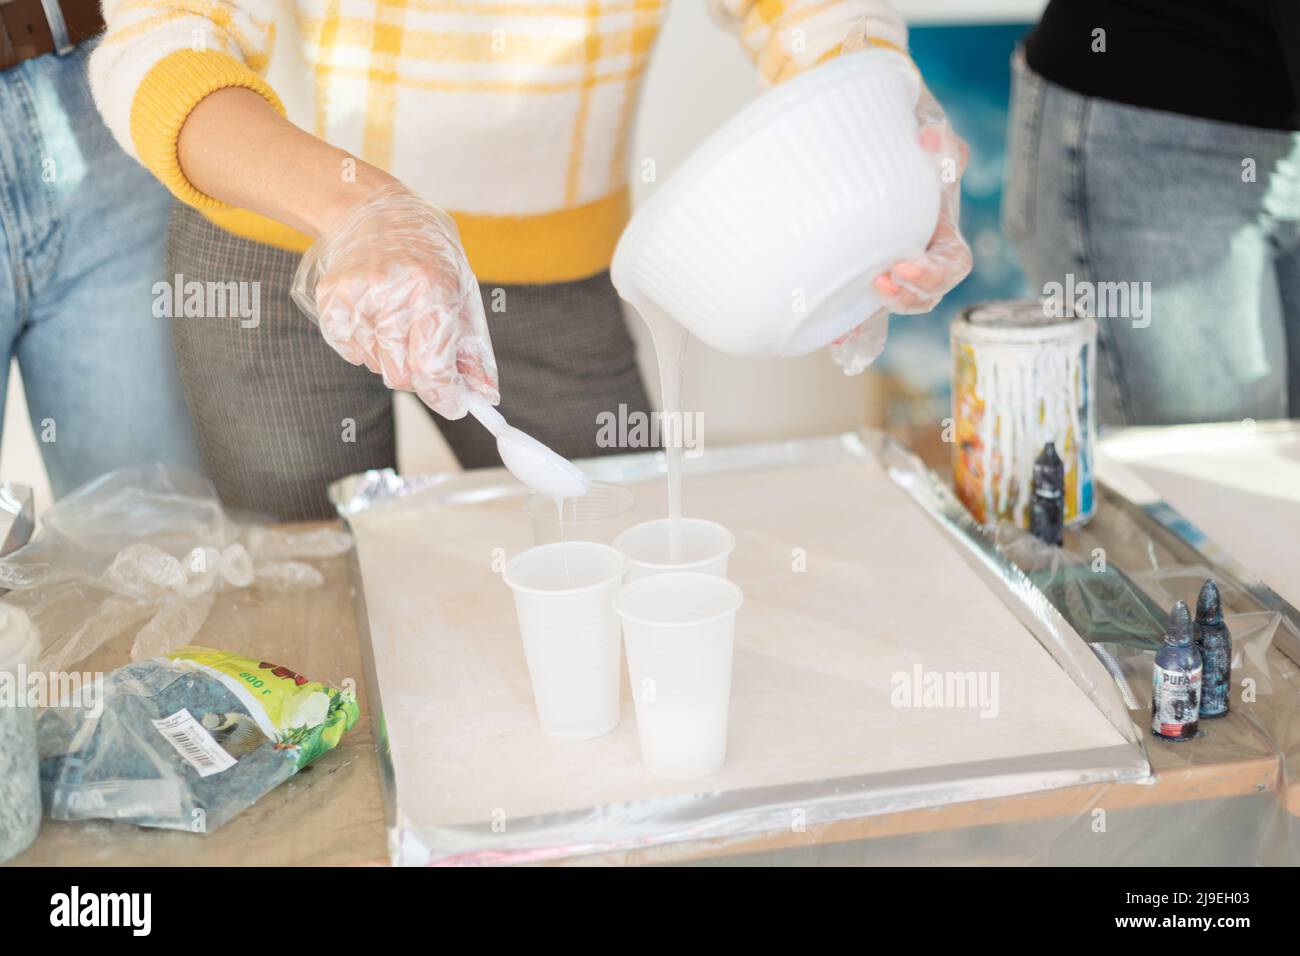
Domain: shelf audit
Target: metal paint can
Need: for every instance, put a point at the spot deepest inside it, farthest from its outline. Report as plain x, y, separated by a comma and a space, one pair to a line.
1022, 377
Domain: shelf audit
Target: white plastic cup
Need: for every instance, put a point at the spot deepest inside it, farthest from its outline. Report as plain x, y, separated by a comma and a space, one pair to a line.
680, 628
563, 598
598, 515
705, 547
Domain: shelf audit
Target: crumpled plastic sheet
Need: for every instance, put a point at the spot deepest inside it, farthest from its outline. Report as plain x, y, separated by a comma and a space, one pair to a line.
146, 549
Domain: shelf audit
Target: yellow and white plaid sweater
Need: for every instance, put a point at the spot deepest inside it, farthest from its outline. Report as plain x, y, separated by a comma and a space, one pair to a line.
514, 115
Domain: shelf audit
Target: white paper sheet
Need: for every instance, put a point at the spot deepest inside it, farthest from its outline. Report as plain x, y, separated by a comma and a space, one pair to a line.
1239, 484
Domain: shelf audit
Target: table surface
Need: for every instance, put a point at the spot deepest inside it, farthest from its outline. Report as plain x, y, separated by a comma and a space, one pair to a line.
332, 813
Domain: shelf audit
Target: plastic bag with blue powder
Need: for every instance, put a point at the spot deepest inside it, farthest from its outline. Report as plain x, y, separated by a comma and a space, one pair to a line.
186, 741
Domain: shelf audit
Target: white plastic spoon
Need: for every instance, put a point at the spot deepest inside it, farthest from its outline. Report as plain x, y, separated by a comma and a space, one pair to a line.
528, 459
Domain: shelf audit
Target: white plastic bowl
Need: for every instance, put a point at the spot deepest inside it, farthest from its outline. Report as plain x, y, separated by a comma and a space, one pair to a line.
767, 239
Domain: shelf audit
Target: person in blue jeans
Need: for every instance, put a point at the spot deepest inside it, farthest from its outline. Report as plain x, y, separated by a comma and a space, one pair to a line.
82, 235
1154, 144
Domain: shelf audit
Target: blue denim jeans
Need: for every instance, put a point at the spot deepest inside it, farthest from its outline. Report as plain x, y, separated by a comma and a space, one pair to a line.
1206, 212
82, 234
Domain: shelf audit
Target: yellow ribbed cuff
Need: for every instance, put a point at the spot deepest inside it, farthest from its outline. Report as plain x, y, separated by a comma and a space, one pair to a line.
559, 246
168, 94
886, 45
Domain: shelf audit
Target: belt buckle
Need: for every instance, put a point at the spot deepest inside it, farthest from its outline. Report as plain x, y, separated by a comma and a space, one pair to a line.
63, 44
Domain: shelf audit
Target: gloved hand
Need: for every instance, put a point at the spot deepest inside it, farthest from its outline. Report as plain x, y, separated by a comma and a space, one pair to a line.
910, 288
391, 289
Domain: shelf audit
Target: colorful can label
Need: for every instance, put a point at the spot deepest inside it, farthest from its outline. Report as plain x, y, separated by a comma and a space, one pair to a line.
1022, 377
1175, 702
300, 716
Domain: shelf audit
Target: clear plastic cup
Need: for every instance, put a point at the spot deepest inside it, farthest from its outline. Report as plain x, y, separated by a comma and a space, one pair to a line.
680, 627
705, 547
563, 598
598, 515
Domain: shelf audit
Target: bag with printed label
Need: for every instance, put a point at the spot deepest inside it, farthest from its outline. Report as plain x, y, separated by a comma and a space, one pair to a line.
186, 741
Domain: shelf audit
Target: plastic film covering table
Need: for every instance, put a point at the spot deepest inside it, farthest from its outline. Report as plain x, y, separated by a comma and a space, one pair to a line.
860, 587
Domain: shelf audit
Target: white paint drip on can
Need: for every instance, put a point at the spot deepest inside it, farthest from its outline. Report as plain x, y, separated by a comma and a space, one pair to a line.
1021, 380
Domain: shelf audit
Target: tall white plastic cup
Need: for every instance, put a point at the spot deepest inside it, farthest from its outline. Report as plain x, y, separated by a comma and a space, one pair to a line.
563, 599
705, 547
680, 628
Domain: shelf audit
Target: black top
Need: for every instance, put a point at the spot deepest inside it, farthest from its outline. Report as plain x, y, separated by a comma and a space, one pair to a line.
1237, 61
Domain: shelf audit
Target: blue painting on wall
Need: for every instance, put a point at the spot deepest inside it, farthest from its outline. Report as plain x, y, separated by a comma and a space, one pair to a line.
968, 70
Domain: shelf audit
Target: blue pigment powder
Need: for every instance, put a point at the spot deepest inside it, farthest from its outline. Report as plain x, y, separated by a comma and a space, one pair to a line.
122, 766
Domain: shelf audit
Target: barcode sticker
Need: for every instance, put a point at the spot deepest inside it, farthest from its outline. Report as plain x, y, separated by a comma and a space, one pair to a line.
193, 742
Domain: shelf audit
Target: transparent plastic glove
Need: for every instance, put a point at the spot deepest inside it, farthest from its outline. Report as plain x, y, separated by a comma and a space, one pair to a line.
279, 544
916, 286
175, 625
391, 289
288, 576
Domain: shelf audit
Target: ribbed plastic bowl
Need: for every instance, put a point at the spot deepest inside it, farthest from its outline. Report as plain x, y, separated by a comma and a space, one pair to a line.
766, 240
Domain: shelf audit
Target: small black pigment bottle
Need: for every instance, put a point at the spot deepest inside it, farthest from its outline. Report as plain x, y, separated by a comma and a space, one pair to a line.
1215, 644
1176, 681
1047, 510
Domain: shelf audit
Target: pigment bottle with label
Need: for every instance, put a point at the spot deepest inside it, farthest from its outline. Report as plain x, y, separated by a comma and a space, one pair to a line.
1176, 680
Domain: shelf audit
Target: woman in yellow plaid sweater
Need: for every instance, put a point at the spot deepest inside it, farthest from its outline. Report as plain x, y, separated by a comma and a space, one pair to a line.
513, 115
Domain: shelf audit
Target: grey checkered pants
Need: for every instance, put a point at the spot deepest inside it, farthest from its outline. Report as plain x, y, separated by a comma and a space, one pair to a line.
279, 415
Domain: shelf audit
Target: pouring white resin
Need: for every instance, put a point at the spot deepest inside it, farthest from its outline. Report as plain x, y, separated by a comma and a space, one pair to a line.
758, 245
670, 341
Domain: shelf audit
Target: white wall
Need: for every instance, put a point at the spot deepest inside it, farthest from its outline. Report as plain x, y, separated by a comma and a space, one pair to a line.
970, 11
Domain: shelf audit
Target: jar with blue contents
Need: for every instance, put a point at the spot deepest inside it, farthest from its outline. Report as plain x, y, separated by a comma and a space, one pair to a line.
20, 791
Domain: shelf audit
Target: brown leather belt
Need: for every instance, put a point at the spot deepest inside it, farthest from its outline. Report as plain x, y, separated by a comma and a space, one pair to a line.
25, 31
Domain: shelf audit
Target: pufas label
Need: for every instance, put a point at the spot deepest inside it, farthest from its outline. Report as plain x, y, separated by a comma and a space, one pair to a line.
1176, 704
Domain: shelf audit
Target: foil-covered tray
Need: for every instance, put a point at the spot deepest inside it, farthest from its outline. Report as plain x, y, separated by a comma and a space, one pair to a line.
664, 818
